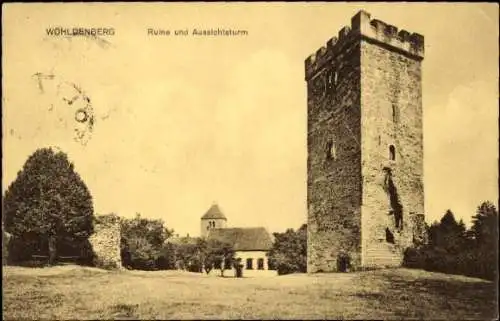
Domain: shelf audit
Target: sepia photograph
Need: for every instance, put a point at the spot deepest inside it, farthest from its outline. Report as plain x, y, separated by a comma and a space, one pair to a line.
250, 160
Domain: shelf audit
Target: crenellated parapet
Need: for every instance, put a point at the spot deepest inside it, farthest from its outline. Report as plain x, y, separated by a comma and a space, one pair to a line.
372, 30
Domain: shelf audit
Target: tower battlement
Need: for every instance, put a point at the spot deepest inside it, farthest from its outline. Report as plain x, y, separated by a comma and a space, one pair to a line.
372, 30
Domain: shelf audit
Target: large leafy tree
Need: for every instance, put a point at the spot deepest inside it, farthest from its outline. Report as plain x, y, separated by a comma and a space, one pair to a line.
48, 201
216, 254
143, 241
289, 251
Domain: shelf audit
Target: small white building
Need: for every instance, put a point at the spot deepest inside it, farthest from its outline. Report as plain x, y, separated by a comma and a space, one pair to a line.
251, 244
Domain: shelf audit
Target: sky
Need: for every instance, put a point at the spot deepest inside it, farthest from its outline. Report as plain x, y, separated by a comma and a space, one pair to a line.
182, 122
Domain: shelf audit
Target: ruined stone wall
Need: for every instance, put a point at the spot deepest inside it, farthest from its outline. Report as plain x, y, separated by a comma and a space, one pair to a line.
105, 241
334, 168
364, 95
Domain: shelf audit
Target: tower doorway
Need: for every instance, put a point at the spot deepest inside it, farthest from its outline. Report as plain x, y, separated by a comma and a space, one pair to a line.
343, 262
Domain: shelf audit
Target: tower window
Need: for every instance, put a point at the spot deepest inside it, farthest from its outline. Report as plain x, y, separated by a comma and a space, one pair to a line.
332, 79
398, 220
392, 152
331, 152
395, 113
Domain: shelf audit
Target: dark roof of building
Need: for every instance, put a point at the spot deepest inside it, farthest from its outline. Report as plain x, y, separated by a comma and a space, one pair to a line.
244, 239
214, 212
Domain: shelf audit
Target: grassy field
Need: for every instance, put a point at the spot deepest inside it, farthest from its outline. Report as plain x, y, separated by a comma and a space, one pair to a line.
71, 292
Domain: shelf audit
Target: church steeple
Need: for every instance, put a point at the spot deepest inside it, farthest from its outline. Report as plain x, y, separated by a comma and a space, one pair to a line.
213, 218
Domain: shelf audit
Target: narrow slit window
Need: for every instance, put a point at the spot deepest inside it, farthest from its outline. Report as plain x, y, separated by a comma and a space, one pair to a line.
392, 152
398, 220
331, 152
395, 113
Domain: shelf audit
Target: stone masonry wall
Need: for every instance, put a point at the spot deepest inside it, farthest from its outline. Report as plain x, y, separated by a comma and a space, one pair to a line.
364, 94
334, 169
105, 241
391, 104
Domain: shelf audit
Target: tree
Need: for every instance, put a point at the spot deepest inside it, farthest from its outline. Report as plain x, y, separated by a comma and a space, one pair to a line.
219, 254
142, 242
188, 254
289, 251
167, 258
448, 233
485, 224
454, 249
48, 203
215, 254
484, 232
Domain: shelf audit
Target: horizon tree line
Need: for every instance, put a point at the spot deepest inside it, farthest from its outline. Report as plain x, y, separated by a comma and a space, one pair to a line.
49, 209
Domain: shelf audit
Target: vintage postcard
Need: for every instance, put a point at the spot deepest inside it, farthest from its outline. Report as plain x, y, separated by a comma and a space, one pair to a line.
266, 160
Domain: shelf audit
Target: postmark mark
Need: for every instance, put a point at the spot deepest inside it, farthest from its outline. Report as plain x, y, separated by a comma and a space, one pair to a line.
69, 99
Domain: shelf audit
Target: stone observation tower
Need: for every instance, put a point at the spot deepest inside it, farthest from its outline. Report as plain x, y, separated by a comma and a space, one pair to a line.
365, 193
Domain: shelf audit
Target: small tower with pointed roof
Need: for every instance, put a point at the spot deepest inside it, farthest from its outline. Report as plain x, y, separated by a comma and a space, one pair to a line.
212, 219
